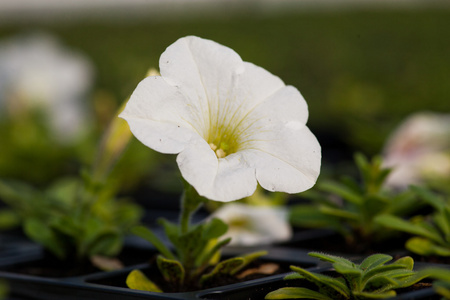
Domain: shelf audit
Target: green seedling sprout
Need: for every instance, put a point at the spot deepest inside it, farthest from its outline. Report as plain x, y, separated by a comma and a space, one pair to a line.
431, 233
76, 218
372, 279
349, 206
195, 261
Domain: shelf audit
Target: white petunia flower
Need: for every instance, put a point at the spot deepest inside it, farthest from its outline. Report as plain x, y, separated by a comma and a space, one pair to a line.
36, 72
232, 123
254, 225
419, 149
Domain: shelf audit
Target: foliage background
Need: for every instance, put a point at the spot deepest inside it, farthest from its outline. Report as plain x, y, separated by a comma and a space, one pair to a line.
361, 70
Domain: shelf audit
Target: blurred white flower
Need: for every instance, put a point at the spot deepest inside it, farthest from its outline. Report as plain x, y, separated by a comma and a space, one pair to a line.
233, 123
251, 225
37, 73
419, 149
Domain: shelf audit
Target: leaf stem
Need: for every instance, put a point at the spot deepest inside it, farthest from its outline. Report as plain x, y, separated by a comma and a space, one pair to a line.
190, 202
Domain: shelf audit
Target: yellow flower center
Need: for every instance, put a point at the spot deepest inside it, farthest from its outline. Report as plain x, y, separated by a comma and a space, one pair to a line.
222, 142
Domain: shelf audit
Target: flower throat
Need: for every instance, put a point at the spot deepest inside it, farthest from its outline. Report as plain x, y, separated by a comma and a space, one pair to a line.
223, 143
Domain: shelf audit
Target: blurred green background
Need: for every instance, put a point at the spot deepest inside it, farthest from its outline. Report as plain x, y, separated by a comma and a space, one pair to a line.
360, 70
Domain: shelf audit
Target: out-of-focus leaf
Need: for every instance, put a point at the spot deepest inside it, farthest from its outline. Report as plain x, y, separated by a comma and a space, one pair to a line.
43, 234
296, 293
137, 280
171, 269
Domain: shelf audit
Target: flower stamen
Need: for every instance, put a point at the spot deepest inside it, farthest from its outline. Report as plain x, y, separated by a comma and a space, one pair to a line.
220, 153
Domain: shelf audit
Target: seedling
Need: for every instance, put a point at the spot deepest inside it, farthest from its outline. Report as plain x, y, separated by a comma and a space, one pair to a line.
372, 279
431, 233
197, 248
76, 218
349, 207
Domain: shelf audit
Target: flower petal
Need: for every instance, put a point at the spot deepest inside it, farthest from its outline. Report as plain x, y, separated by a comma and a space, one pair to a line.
255, 85
284, 152
207, 94
258, 225
291, 166
251, 87
158, 116
224, 180
204, 71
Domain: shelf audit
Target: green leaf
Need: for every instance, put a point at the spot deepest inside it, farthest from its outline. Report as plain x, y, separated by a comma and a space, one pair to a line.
8, 219
172, 231
442, 285
352, 275
379, 271
347, 270
292, 276
338, 213
324, 282
342, 191
70, 226
442, 221
374, 261
15, 192
403, 203
108, 243
410, 280
426, 247
296, 293
309, 216
331, 258
44, 235
406, 262
64, 191
148, 235
431, 198
214, 229
382, 281
442, 289
248, 258
371, 295
437, 273
208, 254
224, 267
172, 270
137, 280
127, 215
191, 244
402, 225
96, 237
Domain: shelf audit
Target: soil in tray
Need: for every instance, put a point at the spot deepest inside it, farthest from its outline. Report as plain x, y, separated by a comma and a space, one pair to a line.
153, 273
52, 267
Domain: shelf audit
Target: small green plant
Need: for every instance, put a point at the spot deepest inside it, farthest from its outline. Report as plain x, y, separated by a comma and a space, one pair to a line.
372, 279
349, 206
196, 260
431, 233
76, 218
70, 220
441, 283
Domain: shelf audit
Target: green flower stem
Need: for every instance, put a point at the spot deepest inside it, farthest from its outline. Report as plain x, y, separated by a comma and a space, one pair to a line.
186, 214
190, 202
